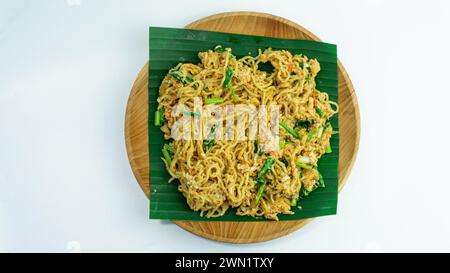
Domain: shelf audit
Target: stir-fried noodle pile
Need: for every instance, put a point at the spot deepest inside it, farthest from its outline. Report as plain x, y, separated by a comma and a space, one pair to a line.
216, 174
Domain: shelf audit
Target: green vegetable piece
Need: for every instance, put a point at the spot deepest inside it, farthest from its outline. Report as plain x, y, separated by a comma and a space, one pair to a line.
260, 192
210, 141
167, 156
169, 148
214, 100
328, 149
228, 75
320, 182
289, 130
265, 167
304, 166
157, 118
312, 133
319, 112
320, 132
294, 202
177, 74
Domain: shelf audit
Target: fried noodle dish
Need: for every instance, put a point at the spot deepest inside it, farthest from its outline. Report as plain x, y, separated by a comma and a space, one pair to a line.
216, 174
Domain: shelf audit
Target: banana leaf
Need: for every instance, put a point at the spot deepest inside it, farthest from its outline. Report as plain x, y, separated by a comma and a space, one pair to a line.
170, 46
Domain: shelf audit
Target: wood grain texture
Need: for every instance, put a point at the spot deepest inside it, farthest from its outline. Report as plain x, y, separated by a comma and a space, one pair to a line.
136, 136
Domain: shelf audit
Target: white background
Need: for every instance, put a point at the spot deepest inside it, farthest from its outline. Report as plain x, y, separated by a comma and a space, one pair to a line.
66, 69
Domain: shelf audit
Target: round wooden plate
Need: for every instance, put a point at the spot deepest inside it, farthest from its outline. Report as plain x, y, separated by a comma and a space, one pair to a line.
136, 136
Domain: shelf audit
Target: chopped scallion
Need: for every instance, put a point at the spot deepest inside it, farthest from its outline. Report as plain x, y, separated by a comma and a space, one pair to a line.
228, 75
319, 112
207, 144
265, 167
320, 132
289, 130
214, 100
304, 165
260, 192
321, 182
294, 202
157, 118
177, 74
167, 156
312, 133
169, 148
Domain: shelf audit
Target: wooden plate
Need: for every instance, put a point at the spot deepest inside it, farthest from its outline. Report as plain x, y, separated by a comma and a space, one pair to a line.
136, 136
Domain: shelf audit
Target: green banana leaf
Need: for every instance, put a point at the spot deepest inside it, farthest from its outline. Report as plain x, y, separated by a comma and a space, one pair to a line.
170, 46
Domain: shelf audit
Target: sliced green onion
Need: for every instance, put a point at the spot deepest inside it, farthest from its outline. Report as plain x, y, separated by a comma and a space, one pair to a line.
214, 100
320, 132
157, 118
319, 112
169, 148
321, 182
260, 192
265, 167
312, 133
177, 74
219, 48
233, 93
304, 165
210, 141
209, 145
289, 130
294, 202
328, 149
228, 75
167, 156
